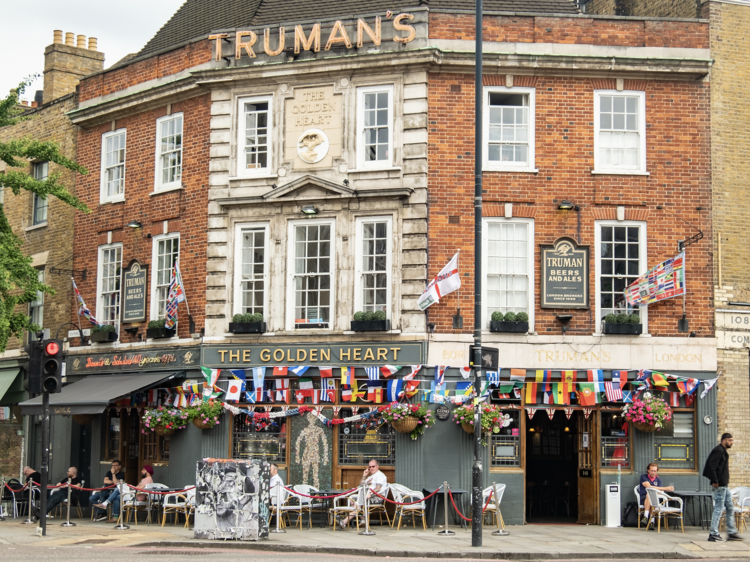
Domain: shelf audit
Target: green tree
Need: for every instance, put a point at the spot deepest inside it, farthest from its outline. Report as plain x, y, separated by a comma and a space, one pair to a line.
18, 279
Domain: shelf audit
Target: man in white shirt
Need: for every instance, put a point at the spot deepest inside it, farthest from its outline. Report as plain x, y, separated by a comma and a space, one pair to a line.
376, 481
275, 481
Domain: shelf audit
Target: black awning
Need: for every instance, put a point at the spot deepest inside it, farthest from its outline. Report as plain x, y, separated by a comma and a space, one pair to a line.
92, 394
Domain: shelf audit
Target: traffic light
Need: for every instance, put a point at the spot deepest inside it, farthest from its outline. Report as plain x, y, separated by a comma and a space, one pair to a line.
52, 366
33, 380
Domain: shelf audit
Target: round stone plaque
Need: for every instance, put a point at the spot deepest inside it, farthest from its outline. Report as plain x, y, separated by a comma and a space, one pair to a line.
442, 412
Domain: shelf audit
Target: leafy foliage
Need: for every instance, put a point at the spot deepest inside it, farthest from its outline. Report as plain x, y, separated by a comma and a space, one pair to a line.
497, 316
103, 328
634, 319
19, 281
522, 317
398, 412
156, 324
206, 412
649, 410
165, 416
511, 317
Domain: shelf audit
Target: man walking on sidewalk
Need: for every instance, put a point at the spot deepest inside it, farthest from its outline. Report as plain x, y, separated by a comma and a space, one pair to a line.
717, 471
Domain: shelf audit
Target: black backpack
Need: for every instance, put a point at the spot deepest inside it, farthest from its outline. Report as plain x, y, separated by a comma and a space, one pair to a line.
630, 515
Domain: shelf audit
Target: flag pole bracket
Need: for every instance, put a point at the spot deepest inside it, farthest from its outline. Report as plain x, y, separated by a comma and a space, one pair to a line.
71, 272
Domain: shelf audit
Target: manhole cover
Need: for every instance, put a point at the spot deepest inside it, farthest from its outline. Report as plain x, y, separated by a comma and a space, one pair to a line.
173, 552
96, 541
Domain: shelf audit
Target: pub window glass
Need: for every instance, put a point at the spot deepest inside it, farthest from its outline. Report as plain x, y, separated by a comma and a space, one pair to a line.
374, 266
111, 264
312, 275
614, 441
619, 266
256, 135
169, 130
253, 274
509, 128
376, 125
113, 435
39, 212
619, 132
674, 443
167, 252
256, 442
114, 164
508, 267
505, 447
358, 445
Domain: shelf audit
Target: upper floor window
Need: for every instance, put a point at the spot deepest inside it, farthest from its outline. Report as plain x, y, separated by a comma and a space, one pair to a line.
108, 284
169, 152
619, 132
39, 210
620, 260
373, 265
251, 270
311, 270
375, 127
254, 143
113, 166
36, 307
508, 263
166, 250
509, 128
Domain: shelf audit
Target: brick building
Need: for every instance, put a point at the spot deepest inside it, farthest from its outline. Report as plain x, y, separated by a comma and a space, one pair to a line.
46, 226
326, 169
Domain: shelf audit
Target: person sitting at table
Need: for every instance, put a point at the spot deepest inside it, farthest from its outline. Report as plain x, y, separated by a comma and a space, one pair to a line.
59, 495
650, 480
275, 481
114, 498
31, 476
376, 481
110, 478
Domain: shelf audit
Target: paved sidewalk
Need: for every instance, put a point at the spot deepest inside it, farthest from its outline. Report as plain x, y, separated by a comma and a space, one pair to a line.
530, 542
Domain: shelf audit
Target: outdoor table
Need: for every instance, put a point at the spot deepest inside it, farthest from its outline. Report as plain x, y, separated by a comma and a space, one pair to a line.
433, 503
701, 496
327, 503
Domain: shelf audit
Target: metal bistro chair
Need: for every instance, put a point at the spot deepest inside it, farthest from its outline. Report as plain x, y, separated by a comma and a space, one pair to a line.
14, 496
402, 494
379, 508
493, 511
190, 507
286, 507
661, 509
131, 504
75, 499
175, 504
343, 505
641, 509
741, 498
307, 504
155, 500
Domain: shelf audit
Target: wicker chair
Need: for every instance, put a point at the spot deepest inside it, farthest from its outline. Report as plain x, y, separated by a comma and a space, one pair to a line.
641, 509
351, 504
307, 504
379, 508
402, 494
189, 505
741, 499
175, 504
131, 504
660, 509
493, 507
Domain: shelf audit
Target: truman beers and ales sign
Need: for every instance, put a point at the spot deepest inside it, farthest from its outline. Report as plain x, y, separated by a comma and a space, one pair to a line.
565, 275
134, 283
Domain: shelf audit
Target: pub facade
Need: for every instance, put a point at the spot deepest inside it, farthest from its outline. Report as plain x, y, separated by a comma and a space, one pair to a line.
312, 172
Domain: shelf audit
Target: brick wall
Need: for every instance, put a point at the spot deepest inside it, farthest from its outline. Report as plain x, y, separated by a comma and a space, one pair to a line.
65, 65
646, 8
678, 161
184, 210
543, 29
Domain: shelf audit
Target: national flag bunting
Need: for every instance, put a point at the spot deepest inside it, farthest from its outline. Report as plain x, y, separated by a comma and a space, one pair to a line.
531, 391
620, 377
375, 391
518, 375
174, 297
587, 394
279, 371
327, 390
674, 399
395, 390
347, 376
440, 373
211, 376
282, 390
659, 379
613, 391
239, 374
234, 390
83, 310
325, 372
373, 373
389, 370
298, 371
259, 375
444, 283
597, 377
466, 372
414, 370
493, 378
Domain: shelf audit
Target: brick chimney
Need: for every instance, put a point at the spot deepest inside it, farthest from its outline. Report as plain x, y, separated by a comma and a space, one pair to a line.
65, 64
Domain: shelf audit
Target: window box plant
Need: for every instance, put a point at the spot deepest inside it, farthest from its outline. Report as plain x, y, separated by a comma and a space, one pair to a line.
247, 324
408, 418
104, 333
623, 324
648, 414
370, 322
157, 331
509, 322
165, 420
206, 414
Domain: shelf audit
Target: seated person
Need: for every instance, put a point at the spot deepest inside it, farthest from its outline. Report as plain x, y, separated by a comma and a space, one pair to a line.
275, 481
651, 480
114, 497
31, 475
112, 476
59, 495
376, 481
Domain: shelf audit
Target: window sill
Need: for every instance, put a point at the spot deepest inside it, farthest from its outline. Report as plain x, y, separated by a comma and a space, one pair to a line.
165, 190
619, 173
266, 175
615, 336
112, 201
392, 332
35, 227
510, 169
380, 169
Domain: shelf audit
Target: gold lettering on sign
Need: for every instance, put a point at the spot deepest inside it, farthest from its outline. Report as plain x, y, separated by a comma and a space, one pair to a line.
346, 354
234, 355
245, 355
678, 358
311, 42
398, 26
338, 28
289, 356
369, 355
218, 37
222, 352
382, 354
395, 351
247, 45
363, 28
325, 354
304, 355
313, 355
267, 42
358, 354
265, 355
278, 355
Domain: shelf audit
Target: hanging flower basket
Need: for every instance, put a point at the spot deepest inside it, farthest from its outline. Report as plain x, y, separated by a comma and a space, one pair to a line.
644, 427
469, 428
405, 425
199, 423
163, 431
164, 420
206, 414
647, 414
408, 418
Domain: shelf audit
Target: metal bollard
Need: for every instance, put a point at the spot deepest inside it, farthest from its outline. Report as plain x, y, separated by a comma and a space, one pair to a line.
278, 528
501, 532
29, 520
2, 491
367, 530
122, 526
68, 523
446, 532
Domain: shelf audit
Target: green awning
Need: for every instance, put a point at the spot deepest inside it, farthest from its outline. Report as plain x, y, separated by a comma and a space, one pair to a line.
11, 386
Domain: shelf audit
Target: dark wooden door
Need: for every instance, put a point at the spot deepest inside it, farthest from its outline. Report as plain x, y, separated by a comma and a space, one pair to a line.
588, 468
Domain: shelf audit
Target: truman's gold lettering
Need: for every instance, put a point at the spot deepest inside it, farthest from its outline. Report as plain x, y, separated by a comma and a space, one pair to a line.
363, 28
247, 45
338, 29
267, 42
218, 37
307, 42
398, 26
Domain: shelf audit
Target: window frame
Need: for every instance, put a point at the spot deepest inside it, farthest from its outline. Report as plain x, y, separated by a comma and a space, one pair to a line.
530, 266
492, 166
359, 255
153, 312
642, 266
642, 160
290, 300
242, 171
158, 185
389, 162
99, 285
661, 441
40, 300
103, 197
240, 228
35, 198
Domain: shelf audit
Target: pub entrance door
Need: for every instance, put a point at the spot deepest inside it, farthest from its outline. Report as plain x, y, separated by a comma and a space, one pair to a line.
551, 461
588, 467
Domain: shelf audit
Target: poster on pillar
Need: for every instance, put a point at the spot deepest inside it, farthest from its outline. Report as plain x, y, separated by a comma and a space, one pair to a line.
311, 458
232, 499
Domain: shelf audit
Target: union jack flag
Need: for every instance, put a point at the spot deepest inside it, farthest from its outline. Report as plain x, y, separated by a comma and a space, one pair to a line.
174, 297
83, 310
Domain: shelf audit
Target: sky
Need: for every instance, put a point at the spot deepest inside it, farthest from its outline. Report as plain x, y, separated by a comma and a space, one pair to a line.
120, 27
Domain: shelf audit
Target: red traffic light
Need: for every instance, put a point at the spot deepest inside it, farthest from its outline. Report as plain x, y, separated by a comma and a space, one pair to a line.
52, 348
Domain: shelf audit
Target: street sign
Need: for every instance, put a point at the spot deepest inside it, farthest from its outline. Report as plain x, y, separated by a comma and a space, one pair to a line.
74, 334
